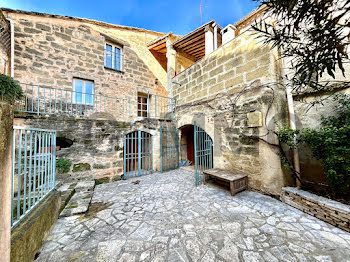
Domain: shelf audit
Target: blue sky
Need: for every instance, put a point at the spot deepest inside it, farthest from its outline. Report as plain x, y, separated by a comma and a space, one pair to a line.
179, 17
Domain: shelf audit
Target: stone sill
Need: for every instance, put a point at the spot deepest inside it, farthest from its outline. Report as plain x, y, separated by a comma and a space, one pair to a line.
115, 70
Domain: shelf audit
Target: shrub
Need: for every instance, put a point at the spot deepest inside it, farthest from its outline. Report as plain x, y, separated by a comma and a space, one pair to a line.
63, 165
330, 143
10, 90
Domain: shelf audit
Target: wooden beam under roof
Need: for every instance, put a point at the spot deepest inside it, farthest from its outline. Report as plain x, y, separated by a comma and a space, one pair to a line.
194, 46
190, 40
186, 55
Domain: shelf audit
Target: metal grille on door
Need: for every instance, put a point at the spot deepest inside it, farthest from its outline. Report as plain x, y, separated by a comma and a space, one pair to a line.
203, 151
138, 154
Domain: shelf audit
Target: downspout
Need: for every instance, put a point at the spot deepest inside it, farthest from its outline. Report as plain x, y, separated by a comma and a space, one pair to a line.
12, 62
292, 120
215, 36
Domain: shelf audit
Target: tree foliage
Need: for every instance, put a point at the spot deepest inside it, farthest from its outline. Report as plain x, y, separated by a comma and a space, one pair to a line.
313, 34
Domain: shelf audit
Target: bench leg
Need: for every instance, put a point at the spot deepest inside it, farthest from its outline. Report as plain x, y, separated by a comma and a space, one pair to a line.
232, 189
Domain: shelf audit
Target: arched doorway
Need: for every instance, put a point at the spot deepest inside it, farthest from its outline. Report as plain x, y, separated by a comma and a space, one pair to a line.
196, 147
187, 144
138, 154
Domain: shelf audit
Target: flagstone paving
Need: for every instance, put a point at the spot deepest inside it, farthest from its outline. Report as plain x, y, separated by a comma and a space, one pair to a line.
165, 217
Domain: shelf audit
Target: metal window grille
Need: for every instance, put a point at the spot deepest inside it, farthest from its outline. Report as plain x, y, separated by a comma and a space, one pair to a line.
203, 152
138, 154
33, 169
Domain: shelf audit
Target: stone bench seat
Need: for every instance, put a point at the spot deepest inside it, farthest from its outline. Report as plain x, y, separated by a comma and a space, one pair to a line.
237, 180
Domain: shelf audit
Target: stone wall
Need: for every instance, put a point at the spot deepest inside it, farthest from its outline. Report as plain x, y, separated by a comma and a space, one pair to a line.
220, 90
53, 51
5, 45
323, 208
97, 149
6, 130
29, 235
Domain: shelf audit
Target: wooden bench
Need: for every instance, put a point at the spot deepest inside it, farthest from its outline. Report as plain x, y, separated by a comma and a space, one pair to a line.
238, 181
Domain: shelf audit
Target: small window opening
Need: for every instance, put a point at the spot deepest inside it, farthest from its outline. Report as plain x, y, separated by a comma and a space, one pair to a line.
63, 142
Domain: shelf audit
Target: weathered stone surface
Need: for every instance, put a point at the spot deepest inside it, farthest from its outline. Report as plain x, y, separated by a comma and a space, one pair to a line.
166, 218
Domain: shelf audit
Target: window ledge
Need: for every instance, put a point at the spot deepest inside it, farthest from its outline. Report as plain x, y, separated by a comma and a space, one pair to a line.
112, 69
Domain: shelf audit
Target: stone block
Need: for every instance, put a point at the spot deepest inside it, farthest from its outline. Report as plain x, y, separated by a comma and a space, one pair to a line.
258, 73
234, 82
250, 66
216, 71
216, 88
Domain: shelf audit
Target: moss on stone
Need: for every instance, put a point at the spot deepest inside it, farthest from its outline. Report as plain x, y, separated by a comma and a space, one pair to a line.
117, 178
100, 166
102, 180
72, 205
118, 148
72, 186
81, 167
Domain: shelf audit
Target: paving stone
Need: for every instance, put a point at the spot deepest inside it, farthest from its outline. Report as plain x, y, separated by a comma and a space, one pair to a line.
166, 218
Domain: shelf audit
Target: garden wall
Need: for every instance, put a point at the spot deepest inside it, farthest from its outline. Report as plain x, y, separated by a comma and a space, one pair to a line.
29, 235
97, 145
220, 91
323, 208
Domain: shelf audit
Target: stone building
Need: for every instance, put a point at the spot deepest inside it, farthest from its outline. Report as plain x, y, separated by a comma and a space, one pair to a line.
97, 84
74, 71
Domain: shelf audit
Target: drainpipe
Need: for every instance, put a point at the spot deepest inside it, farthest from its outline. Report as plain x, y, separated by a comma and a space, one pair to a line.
292, 121
215, 36
12, 62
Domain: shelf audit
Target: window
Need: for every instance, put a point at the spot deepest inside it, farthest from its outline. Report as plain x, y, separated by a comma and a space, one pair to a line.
113, 57
83, 91
142, 105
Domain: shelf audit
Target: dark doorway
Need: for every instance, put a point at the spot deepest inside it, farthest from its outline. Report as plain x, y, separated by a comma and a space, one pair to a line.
187, 144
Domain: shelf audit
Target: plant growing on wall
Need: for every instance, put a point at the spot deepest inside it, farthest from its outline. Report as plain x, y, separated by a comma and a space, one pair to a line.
10, 90
63, 165
330, 143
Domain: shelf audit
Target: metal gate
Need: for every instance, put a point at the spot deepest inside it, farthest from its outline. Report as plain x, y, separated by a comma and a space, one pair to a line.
169, 149
138, 154
33, 169
203, 153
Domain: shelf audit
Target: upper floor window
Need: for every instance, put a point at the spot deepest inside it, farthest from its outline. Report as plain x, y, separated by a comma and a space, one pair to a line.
83, 91
113, 57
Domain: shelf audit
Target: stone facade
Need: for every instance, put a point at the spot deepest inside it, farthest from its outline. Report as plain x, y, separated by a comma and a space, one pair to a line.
219, 91
97, 145
5, 45
52, 51
323, 208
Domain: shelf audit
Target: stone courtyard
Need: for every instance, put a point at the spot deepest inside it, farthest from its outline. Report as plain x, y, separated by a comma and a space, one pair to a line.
164, 217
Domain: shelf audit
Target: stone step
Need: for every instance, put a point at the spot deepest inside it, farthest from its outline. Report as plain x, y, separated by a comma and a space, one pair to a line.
78, 204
